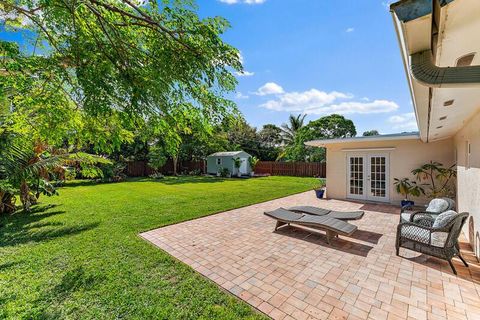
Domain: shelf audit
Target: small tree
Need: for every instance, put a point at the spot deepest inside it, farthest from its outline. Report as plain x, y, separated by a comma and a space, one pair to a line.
438, 179
237, 162
406, 187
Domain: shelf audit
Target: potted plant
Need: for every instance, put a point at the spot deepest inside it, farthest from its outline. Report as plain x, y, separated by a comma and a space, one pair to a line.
320, 189
253, 161
237, 162
406, 187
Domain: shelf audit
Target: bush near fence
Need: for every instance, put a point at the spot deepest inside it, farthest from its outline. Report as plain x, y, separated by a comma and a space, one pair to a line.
296, 169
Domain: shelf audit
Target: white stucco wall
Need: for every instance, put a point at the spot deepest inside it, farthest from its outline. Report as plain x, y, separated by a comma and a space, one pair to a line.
408, 155
468, 178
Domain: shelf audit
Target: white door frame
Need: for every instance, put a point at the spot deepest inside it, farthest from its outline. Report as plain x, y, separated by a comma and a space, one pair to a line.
364, 190
386, 180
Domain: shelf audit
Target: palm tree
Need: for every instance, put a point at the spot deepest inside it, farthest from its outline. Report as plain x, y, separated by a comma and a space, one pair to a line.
290, 130
26, 169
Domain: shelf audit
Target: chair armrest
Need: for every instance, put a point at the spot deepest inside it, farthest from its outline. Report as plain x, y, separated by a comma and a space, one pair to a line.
406, 207
425, 218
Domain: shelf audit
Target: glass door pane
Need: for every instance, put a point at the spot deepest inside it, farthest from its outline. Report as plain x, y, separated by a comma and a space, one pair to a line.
378, 177
356, 167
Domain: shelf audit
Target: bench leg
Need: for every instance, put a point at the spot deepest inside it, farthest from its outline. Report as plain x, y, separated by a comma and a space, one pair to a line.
279, 224
330, 236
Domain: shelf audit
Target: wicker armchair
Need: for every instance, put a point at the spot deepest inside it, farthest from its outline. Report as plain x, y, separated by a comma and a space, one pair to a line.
421, 236
408, 215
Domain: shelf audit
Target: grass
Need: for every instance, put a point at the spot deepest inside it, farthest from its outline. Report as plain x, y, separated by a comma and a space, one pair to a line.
79, 255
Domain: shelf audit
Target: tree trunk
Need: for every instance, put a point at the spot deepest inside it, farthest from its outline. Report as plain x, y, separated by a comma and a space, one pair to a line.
175, 161
25, 196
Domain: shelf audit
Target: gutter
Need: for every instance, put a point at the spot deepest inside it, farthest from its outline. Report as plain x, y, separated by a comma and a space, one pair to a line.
428, 74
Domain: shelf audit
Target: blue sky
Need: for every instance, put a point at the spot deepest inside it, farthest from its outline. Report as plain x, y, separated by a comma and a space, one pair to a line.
317, 57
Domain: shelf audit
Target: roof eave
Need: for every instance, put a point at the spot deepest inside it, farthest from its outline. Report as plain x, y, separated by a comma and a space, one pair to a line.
326, 142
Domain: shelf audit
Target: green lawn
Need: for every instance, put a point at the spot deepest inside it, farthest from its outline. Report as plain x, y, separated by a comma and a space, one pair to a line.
79, 254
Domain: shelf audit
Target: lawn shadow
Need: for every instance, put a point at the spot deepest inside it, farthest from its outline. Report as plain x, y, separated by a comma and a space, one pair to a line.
341, 243
186, 180
25, 227
73, 280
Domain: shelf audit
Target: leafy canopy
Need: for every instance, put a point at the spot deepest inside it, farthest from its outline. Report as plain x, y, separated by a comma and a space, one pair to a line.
97, 69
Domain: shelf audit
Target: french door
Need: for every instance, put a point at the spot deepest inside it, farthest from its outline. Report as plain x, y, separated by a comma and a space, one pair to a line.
368, 176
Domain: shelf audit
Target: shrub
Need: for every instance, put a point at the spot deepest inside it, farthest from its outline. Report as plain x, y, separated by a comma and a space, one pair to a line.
157, 175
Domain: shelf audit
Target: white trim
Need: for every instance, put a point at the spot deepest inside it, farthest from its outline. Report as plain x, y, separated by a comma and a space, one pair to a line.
322, 143
368, 149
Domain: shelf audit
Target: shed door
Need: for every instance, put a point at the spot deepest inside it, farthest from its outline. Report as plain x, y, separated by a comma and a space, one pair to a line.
243, 166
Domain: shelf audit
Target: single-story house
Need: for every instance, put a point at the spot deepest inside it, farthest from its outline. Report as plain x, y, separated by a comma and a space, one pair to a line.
439, 42
219, 160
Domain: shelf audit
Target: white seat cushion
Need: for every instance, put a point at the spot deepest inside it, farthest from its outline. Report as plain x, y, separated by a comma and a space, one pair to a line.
405, 216
439, 238
437, 206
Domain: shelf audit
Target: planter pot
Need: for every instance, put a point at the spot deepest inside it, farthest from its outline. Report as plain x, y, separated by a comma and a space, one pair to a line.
407, 202
319, 193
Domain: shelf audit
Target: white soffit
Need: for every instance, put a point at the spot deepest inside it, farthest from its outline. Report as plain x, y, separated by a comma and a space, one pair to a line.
459, 35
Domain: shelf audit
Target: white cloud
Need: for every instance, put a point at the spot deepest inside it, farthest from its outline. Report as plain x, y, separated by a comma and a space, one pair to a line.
243, 1
405, 121
350, 29
314, 101
269, 88
240, 95
245, 73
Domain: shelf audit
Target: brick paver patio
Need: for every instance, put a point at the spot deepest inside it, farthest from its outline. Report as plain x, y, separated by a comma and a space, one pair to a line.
294, 274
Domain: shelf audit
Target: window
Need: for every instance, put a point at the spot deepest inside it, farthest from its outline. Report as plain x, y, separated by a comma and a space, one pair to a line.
219, 161
468, 152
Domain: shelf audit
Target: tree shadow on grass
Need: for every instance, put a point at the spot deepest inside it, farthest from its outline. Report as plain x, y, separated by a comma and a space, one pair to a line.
74, 280
26, 227
184, 180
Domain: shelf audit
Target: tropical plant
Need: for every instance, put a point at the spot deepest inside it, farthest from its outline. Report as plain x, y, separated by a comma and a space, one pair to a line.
406, 187
237, 163
7, 197
320, 185
28, 170
439, 180
253, 161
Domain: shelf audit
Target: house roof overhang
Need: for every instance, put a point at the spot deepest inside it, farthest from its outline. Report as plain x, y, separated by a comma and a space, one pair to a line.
433, 35
382, 137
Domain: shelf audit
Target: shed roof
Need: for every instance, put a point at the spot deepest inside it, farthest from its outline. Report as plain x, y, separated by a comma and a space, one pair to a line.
227, 153
381, 137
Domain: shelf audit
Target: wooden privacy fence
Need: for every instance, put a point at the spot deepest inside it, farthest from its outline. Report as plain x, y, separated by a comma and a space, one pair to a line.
142, 169
297, 169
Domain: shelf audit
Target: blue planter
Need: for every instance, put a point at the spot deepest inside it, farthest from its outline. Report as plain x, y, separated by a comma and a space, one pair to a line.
319, 193
407, 202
